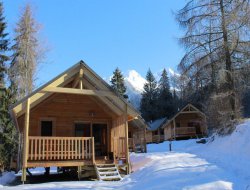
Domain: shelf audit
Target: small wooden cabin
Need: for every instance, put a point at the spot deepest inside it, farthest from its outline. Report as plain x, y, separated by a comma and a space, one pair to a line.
189, 122
155, 134
76, 119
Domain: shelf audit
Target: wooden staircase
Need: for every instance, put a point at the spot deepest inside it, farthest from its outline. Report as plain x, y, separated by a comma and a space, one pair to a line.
107, 172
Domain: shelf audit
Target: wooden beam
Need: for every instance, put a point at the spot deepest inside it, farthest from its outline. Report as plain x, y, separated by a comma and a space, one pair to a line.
126, 137
26, 139
174, 129
79, 91
78, 79
26, 133
184, 112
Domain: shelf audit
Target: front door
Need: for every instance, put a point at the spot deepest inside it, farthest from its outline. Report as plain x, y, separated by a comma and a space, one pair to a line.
46, 128
100, 135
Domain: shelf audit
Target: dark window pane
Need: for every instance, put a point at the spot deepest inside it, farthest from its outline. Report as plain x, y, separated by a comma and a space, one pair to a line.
46, 128
82, 130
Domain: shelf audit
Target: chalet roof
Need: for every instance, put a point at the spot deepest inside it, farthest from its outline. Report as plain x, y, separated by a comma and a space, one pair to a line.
93, 85
189, 108
156, 124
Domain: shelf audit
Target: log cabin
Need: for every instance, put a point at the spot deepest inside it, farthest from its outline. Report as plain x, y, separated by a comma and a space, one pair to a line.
76, 120
189, 122
155, 134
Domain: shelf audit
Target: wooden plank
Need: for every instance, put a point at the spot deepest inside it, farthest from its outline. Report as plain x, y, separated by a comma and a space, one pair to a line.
93, 150
126, 137
35, 149
31, 152
26, 133
79, 91
43, 142
82, 157
79, 149
174, 128
39, 149
60, 163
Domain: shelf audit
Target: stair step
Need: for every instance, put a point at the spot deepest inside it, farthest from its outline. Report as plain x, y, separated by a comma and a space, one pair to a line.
110, 178
103, 169
109, 173
105, 165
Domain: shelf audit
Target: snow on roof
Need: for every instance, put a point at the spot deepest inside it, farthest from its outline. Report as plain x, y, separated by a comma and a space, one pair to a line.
156, 123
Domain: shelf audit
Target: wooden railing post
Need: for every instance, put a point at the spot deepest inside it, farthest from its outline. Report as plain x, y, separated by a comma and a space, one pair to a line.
93, 150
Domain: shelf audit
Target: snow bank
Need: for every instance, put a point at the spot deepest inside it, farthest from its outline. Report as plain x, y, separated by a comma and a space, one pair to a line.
6, 178
232, 152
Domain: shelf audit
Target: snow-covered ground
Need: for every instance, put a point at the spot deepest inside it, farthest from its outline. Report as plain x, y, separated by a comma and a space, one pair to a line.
220, 164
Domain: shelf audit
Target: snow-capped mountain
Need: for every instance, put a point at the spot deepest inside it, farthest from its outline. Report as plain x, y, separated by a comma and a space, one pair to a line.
134, 83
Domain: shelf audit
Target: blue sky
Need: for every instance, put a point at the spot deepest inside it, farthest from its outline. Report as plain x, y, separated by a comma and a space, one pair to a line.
131, 34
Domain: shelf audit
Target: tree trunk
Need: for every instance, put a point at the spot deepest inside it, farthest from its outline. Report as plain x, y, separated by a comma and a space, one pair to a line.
228, 62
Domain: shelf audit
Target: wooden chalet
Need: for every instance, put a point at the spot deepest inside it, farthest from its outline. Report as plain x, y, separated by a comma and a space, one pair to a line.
76, 120
155, 134
189, 122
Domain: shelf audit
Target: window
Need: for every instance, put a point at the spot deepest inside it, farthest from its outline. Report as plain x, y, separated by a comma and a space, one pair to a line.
46, 128
82, 129
191, 124
178, 125
129, 134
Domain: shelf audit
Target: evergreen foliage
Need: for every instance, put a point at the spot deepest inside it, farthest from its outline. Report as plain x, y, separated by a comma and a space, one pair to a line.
7, 97
117, 83
148, 104
165, 98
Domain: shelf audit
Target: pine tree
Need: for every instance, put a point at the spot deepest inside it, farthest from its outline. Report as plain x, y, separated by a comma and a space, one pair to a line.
4, 42
7, 129
165, 100
148, 106
117, 83
27, 52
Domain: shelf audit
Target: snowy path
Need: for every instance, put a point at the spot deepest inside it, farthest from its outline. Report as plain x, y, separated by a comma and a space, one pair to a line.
176, 170
222, 164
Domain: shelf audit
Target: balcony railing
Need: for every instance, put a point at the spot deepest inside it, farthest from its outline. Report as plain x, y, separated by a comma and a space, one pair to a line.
60, 148
185, 131
158, 138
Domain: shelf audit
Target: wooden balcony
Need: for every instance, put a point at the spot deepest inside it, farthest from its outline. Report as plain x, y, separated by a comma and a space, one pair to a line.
157, 138
185, 131
60, 151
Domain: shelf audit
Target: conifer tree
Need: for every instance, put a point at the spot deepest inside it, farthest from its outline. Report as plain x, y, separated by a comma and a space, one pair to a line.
7, 129
148, 106
165, 100
117, 83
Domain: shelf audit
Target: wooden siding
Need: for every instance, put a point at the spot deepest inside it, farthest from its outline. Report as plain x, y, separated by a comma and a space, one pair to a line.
64, 110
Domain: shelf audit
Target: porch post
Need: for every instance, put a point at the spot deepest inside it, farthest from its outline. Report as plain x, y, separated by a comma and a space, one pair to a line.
93, 149
174, 129
26, 140
145, 139
126, 137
